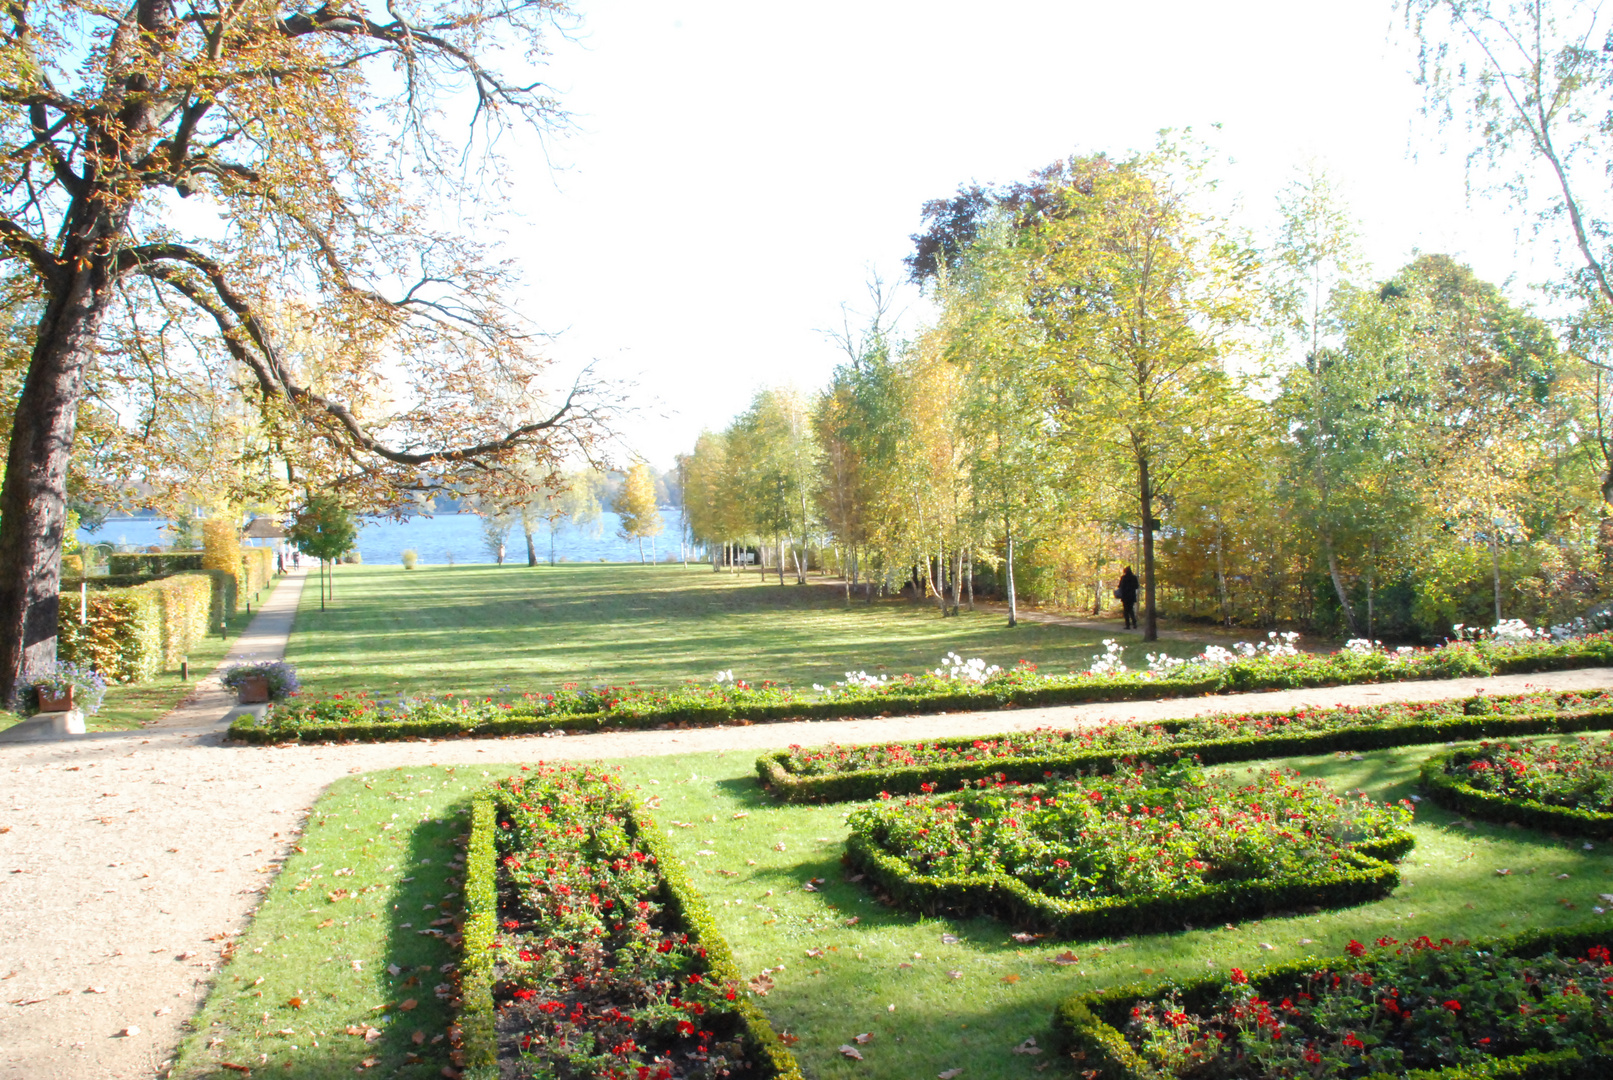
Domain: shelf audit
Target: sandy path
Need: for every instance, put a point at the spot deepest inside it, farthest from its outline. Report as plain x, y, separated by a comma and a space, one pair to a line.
121, 856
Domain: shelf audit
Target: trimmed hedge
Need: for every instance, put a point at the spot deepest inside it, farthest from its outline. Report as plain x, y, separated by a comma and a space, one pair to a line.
633, 709
478, 1017
1362, 875
158, 564
257, 569
133, 633
910, 779
1087, 1025
1454, 793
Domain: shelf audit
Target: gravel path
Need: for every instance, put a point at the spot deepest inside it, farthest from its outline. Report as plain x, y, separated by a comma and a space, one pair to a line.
125, 857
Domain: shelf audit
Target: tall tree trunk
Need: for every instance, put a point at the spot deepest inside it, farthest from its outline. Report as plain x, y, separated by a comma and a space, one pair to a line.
641, 551
934, 565
33, 504
1150, 611
1338, 584
957, 579
1221, 574
551, 544
1013, 600
969, 580
1495, 570
531, 548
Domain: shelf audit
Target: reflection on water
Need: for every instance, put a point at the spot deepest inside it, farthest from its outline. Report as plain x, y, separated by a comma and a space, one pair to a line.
447, 537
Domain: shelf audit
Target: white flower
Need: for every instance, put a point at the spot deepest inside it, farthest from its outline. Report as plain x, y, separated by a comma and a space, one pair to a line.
1110, 663
1362, 646
724, 676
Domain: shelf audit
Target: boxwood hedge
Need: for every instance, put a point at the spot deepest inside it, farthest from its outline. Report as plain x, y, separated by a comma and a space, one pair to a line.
1452, 791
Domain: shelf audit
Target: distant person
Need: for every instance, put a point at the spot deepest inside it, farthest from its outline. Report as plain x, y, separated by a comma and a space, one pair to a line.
1126, 593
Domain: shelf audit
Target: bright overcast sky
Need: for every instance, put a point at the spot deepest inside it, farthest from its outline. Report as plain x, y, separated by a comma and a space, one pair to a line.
737, 169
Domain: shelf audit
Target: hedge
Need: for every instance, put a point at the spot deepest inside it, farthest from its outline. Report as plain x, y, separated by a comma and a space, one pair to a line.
257, 569
912, 696
133, 633
1361, 875
1087, 1026
1455, 793
478, 1016
159, 564
911, 779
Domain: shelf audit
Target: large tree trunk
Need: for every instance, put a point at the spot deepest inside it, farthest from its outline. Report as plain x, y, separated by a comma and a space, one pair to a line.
33, 504
531, 549
1013, 600
1150, 612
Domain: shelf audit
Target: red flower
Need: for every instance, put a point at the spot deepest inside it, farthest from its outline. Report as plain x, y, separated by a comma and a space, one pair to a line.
1352, 1042
1454, 1006
524, 995
685, 1028
1355, 948
1238, 976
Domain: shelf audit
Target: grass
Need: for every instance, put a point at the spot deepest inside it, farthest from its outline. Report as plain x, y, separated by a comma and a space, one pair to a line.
924, 1019
128, 706
479, 628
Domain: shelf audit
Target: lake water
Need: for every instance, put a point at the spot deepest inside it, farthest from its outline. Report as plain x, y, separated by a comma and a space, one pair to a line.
447, 536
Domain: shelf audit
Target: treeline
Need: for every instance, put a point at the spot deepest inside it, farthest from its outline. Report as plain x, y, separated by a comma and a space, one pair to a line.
1116, 375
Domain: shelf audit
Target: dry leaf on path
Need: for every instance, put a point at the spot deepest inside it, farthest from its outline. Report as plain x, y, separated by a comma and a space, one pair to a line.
1066, 957
851, 1051
1028, 1047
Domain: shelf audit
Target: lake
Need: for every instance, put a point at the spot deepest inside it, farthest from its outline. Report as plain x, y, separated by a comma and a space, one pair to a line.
444, 538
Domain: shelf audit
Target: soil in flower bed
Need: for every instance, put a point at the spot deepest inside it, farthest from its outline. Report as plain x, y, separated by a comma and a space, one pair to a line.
1132, 737
1141, 835
595, 976
1421, 1004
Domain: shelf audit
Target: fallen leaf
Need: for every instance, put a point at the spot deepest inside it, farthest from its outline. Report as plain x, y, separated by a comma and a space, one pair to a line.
852, 921
408, 1004
949, 1074
1010, 979
418, 1037
129, 1032
1028, 1047
949, 939
955, 974
1025, 939
368, 1063
1065, 957
814, 952
327, 922
864, 1039
233, 1067
903, 964
295, 1003
1502, 873
393, 969
780, 847
164, 1011
851, 1051
787, 1039
95, 989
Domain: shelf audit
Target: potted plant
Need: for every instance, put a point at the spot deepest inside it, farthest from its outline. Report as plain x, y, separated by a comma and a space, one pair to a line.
258, 683
61, 688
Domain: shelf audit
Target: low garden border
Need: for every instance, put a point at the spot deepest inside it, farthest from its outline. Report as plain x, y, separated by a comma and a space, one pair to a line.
1454, 793
772, 767
478, 1035
620, 708
1087, 1025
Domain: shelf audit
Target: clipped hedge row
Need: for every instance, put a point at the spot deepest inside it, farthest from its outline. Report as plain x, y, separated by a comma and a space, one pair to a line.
919, 695
1088, 1026
257, 569
478, 1015
1454, 793
157, 564
911, 779
1362, 875
132, 633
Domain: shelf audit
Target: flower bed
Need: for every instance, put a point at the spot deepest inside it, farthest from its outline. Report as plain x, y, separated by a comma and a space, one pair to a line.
840, 773
1146, 851
948, 689
587, 951
1533, 1006
1566, 787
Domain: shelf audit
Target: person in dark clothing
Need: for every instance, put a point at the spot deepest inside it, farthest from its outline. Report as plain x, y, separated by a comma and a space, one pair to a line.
1126, 593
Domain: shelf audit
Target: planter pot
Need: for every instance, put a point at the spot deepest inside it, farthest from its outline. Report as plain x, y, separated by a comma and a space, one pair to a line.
56, 700
254, 690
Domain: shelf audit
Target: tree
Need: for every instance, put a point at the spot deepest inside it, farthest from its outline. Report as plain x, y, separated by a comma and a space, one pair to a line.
635, 506
318, 138
497, 521
325, 529
1140, 294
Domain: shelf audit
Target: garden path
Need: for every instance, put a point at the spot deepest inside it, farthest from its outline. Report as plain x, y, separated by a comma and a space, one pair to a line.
126, 859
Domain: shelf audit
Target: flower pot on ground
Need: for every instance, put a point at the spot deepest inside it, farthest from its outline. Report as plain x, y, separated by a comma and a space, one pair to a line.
56, 700
253, 690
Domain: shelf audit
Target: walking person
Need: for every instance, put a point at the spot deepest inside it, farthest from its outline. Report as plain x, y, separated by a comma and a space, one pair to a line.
1126, 593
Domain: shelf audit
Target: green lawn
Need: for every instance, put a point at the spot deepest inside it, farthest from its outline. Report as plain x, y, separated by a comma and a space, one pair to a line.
841, 963
483, 628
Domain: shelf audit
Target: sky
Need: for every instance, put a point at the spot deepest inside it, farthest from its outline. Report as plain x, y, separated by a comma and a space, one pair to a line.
735, 172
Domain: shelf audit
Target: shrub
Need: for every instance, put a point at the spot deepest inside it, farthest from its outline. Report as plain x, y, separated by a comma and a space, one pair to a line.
838, 773
122, 639
153, 565
72, 566
1142, 852
1451, 1010
1562, 787
410, 558
282, 678
221, 550
257, 565
87, 684
609, 962
184, 605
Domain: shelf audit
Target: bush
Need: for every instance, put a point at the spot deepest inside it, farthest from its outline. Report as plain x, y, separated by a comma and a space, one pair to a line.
282, 678
122, 638
669, 977
1143, 853
1460, 1011
842, 773
221, 550
148, 565
410, 558
184, 604
88, 687
257, 565
1551, 788
72, 566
